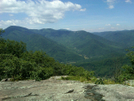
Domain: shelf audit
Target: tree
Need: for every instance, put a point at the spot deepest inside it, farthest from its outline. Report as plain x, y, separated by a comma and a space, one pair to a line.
130, 54
117, 69
128, 70
12, 47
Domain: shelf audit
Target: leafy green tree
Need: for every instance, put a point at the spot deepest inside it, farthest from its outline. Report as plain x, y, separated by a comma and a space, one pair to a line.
45, 73
127, 70
16, 68
130, 54
12, 47
39, 57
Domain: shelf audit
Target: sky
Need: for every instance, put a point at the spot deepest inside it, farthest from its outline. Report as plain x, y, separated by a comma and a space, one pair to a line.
88, 15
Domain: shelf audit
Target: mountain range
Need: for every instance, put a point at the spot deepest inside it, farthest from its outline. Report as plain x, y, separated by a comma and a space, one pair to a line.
76, 47
84, 43
37, 42
64, 44
125, 37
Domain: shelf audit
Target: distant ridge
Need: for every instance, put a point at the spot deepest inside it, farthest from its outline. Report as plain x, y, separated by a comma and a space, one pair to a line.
82, 42
125, 37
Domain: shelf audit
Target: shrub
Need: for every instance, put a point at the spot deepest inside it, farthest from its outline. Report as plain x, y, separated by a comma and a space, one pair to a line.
100, 81
16, 68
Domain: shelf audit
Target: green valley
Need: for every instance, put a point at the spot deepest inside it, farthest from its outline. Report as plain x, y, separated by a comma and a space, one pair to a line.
92, 51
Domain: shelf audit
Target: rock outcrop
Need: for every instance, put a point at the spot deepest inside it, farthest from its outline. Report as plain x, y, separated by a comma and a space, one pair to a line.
63, 90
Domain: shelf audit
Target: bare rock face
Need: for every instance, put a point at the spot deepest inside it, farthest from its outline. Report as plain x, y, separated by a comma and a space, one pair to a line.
130, 82
63, 90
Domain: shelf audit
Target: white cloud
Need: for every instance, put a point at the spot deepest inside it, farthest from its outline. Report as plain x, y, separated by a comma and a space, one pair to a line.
40, 12
9, 22
117, 24
128, 1
110, 3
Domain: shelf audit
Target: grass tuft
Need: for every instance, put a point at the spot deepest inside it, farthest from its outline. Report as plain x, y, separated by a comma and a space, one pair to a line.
92, 80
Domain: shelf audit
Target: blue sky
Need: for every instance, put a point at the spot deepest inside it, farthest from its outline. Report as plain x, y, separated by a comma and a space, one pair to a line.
88, 15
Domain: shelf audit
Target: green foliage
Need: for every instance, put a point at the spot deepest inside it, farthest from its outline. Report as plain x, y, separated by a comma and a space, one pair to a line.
127, 71
16, 68
19, 64
100, 81
52, 48
46, 72
105, 67
125, 38
39, 57
12, 47
66, 78
64, 46
80, 74
82, 42
77, 78
130, 54
70, 47
93, 79
15, 57
88, 74
126, 74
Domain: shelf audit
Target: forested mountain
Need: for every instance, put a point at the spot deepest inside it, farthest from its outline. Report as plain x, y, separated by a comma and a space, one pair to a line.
82, 42
19, 64
125, 37
63, 44
93, 52
38, 42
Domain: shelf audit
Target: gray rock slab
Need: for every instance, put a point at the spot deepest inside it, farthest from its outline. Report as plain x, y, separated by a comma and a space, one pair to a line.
130, 82
63, 90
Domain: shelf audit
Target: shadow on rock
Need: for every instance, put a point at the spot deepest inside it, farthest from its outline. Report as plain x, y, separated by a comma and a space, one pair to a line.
90, 93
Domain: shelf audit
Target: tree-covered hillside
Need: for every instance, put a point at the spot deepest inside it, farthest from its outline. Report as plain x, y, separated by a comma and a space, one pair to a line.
37, 42
79, 48
82, 42
19, 64
126, 37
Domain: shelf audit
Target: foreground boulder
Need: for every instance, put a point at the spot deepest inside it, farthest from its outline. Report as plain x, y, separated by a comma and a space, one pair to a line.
61, 90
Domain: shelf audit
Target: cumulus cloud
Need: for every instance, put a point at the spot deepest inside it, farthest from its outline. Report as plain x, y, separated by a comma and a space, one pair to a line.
128, 1
39, 11
110, 3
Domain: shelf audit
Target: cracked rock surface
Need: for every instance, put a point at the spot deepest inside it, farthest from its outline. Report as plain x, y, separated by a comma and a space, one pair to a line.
63, 90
